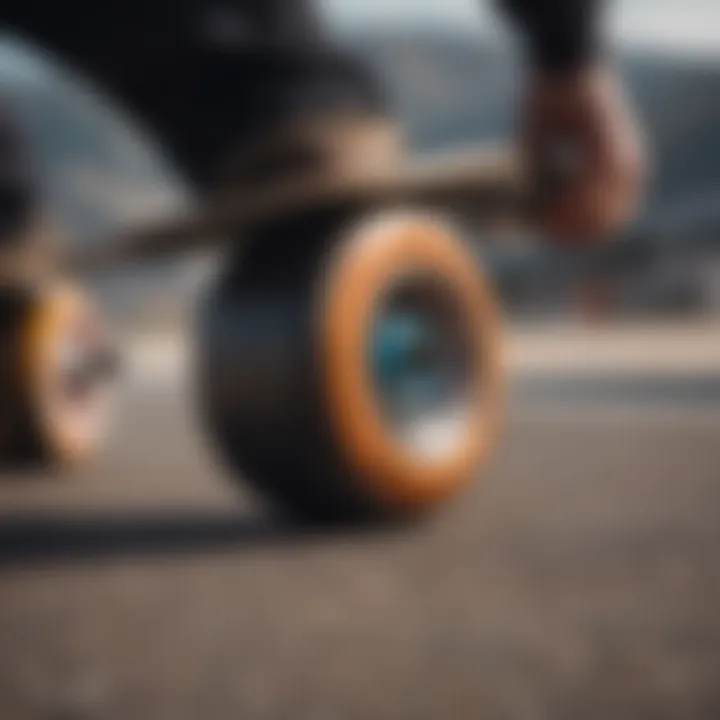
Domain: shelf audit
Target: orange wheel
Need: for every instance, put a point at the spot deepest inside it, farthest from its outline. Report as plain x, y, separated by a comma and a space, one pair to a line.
55, 382
421, 416
355, 373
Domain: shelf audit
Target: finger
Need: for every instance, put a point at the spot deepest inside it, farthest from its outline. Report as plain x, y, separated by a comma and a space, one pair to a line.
571, 219
606, 197
620, 184
589, 211
629, 195
576, 213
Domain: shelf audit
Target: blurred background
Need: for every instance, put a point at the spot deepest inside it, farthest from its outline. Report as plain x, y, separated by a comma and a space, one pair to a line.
578, 579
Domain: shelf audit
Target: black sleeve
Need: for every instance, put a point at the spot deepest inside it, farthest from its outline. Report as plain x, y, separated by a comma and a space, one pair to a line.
560, 34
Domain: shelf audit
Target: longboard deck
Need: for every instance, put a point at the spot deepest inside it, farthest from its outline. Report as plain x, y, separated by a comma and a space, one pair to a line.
486, 182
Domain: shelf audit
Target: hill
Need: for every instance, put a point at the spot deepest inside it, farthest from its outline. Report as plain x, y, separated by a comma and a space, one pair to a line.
452, 89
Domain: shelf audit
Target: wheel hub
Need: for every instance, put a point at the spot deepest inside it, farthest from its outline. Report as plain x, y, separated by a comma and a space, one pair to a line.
420, 364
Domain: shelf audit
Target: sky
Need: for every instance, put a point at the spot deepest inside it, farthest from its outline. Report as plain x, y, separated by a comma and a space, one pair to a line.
687, 26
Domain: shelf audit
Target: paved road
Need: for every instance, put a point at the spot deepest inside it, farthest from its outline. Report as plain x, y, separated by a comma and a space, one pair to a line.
579, 579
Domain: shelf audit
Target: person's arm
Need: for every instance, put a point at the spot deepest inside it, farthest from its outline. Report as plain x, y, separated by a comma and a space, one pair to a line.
575, 118
561, 35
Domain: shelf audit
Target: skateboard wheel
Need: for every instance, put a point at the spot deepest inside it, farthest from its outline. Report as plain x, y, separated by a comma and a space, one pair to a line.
55, 381
363, 379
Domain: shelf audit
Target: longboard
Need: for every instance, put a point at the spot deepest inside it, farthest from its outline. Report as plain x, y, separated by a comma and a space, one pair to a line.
485, 182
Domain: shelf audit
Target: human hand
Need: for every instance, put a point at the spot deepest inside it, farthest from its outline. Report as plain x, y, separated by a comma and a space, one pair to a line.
585, 154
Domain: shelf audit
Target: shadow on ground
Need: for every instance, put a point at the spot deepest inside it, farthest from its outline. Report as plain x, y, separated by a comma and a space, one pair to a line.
39, 539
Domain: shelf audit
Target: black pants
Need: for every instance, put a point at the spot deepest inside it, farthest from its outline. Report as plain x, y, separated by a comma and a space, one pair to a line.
201, 73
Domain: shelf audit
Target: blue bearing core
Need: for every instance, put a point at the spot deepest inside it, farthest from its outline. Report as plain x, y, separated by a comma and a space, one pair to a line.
410, 368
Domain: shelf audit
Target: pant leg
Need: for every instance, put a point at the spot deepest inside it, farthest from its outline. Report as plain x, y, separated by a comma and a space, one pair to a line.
19, 190
204, 76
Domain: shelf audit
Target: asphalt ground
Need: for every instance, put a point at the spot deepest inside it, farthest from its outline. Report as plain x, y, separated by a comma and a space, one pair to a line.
578, 578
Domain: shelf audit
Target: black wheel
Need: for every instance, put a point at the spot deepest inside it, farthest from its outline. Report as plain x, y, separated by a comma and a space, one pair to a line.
54, 380
357, 373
